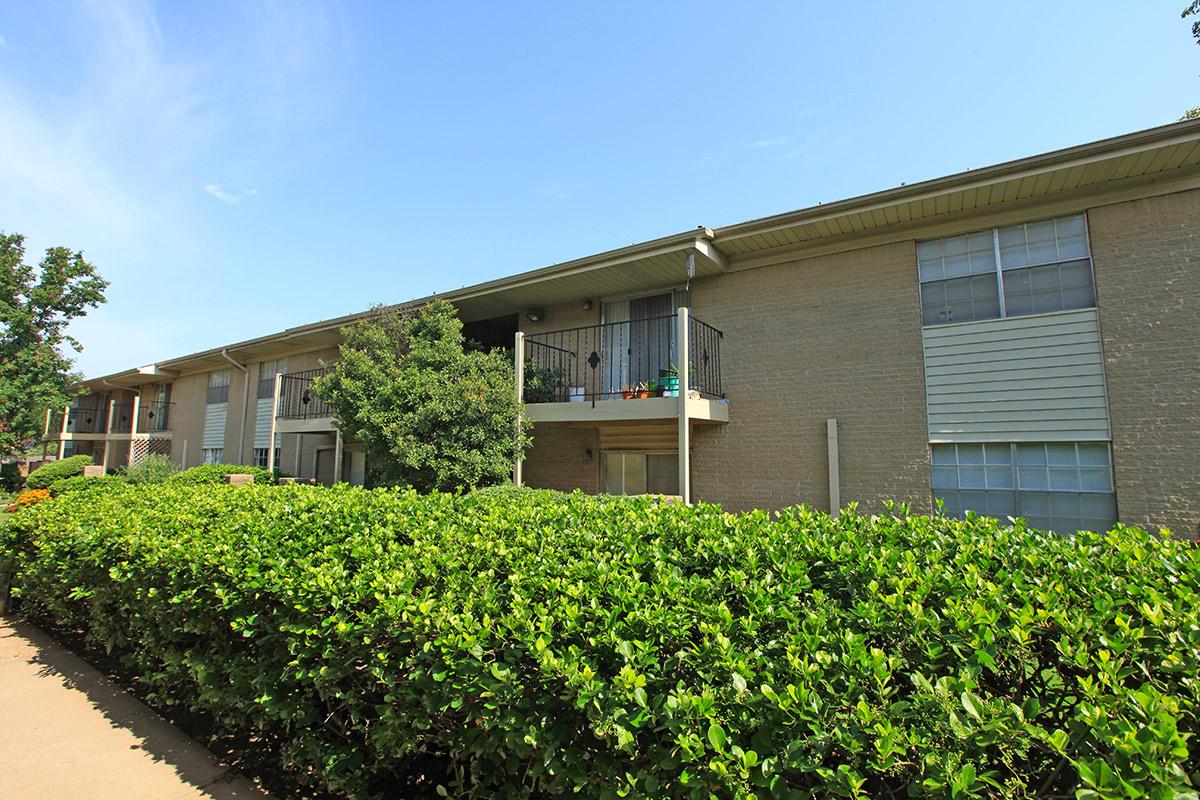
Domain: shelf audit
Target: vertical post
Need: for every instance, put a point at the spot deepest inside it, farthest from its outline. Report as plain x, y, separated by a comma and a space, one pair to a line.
519, 366
299, 453
62, 437
183, 455
137, 407
338, 477
46, 430
112, 404
685, 444
271, 465
835, 487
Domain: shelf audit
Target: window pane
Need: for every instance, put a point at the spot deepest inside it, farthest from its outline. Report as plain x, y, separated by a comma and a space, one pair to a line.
662, 473
1093, 454
997, 454
943, 454
1078, 288
1095, 479
1000, 478
1061, 453
982, 251
611, 468
1064, 479
971, 478
1043, 248
635, 473
933, 304
970, 454
1032, 478
1012, 247
945, 477
1032, 454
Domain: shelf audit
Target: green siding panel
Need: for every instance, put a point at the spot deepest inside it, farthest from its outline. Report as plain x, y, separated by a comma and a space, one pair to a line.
1025, 379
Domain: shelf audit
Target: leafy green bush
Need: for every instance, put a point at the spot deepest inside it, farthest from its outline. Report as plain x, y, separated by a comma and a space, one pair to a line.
77, 482
151, 469
11, 479
43, 476
510, 644
215, 473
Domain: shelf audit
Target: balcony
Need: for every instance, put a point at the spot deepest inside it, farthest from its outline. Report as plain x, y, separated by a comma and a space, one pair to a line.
300, 410
629, 370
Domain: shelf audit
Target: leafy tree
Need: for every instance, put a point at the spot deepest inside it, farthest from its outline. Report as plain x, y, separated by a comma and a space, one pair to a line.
430, 413
36, 306
1193, 10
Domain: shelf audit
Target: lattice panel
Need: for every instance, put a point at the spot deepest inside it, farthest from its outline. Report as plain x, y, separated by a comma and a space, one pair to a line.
140, 448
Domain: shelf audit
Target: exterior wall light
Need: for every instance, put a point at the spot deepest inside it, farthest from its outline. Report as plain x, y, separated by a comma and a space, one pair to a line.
535, 314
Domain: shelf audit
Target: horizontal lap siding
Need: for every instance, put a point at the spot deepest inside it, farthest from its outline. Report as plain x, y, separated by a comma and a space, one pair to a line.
1022, 379
214, 424
262, 423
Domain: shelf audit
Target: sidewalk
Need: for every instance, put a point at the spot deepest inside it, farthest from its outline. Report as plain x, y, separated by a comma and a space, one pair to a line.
67, 732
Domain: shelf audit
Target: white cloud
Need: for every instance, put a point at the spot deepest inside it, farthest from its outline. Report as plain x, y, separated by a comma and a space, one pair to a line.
226, 197
3, 41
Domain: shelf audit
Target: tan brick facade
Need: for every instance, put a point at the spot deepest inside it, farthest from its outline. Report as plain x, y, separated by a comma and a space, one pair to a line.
559, 459
836, 336
1147, 263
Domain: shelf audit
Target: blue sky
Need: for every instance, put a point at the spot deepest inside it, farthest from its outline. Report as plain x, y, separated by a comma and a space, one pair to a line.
272, 164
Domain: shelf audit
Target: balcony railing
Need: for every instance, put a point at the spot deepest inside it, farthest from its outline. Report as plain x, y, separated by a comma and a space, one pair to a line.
612, 360
154, 415
297, 399
85, 418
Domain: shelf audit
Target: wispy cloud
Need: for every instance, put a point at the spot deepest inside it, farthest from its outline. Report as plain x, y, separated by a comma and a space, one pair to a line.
3, 41
226, 197
733, 151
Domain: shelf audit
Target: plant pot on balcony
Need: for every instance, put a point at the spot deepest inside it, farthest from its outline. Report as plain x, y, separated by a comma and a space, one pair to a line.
642, 394
627, 393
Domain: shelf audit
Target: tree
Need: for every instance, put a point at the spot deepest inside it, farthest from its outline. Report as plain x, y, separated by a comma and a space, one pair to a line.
1193, 9
429, 413
36, 306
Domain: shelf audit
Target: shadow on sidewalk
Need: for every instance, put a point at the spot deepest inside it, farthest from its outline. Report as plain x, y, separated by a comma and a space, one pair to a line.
158, 738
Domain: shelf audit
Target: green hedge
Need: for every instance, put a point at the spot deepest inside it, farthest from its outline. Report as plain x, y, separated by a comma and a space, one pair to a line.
215, 473
524, 645
43, 476
77, 482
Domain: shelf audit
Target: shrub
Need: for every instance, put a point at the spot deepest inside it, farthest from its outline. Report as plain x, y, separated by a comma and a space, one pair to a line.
43, 476
11, 479
30, 497
621, 647
215, 473
77, 482
151, 469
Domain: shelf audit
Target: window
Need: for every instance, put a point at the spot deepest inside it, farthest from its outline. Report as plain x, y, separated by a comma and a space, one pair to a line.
212, 455
261, 455
266, 377
640, 473
1032, 268
1059, 486
218, 386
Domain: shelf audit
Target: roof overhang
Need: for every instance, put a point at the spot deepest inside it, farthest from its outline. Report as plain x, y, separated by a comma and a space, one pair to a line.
1168, 155
131, 378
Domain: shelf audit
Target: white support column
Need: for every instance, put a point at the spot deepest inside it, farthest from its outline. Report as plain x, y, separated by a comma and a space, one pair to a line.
338, 449
685, 434
519, 366
62, 437
137, 407
112, 405
835, 485
271, 465
46, 430
299, 454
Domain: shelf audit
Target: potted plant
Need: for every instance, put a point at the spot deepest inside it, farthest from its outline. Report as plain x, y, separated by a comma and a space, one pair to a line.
627, 393
668, 379
642, 391
653, 387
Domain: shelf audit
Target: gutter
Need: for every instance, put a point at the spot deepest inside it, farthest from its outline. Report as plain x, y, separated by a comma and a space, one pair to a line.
245, 402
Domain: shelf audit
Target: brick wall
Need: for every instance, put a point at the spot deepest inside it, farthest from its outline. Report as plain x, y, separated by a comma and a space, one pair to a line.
834, 336
558, 459
189, 395
1147, 263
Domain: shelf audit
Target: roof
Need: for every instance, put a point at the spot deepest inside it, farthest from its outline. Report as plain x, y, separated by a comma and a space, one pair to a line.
1148, 161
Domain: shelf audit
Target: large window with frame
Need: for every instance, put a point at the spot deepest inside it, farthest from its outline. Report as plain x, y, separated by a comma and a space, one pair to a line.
213, 455
1031, 268
218, 386
639, 473
262, 456
1058, 486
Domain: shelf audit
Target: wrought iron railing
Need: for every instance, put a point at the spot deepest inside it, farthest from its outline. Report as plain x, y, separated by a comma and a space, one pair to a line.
297, 400
84, 418
154, 415
122, 418
620, 359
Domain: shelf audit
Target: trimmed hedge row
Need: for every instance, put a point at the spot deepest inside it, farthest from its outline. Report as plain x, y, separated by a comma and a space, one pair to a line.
522, 644
43, 476
215, 473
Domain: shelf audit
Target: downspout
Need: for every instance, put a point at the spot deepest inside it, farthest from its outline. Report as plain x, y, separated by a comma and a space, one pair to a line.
245, 402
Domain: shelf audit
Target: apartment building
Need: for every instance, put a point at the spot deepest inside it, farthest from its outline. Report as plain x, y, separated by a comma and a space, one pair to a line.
1022, 339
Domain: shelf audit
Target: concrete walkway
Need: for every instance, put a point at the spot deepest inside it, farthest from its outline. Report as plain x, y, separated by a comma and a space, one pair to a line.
67, 732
